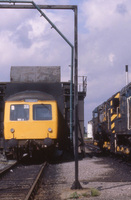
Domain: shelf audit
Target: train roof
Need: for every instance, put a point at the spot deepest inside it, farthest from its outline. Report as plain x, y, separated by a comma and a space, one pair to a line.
113, 96
30, 95
99, 107
125, 89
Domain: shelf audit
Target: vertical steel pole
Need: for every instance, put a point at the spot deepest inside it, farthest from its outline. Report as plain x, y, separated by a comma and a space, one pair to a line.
126, 69
71, 96
76, 184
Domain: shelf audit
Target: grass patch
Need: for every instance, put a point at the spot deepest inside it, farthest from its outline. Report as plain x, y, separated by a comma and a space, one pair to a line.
85, 194
95, 192
80, 194
74, 196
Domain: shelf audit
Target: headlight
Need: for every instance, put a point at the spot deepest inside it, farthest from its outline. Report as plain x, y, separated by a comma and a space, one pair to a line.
50, 130
12, 130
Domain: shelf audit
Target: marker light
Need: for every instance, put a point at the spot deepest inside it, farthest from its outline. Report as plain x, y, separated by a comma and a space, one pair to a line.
50, 130
12, 130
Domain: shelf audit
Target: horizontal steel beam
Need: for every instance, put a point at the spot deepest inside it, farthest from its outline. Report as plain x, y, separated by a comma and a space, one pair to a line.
14, 6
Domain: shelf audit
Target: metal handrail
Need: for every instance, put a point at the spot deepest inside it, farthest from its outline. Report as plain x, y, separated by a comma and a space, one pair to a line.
82, 84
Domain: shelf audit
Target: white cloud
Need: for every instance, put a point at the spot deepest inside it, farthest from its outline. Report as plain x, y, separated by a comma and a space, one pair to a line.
101, 14
111, 57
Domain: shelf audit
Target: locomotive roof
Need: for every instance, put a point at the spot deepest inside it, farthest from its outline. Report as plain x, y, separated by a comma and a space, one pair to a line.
30, 95
99, 107
126, 89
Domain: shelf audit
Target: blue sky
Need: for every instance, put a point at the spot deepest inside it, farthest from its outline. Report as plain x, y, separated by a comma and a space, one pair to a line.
104, 43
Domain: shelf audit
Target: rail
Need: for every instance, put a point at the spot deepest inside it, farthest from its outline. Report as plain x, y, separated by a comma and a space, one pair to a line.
35, 184
22, 182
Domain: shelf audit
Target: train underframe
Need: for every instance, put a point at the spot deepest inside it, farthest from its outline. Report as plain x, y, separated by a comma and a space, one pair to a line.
115, 143
35, 149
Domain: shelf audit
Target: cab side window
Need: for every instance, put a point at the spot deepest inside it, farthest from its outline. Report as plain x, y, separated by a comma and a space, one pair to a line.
19, 112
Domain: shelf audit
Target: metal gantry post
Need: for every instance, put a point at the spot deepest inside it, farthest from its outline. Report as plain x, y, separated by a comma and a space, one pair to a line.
76, 184
71, 97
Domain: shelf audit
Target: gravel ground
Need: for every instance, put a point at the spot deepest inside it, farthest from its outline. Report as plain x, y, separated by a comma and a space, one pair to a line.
110, 177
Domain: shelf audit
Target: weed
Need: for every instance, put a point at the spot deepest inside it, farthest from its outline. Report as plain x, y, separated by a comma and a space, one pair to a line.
95, 192
74, 196
86, 194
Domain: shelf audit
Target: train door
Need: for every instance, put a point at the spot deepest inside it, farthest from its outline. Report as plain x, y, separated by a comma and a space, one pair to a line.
129, 113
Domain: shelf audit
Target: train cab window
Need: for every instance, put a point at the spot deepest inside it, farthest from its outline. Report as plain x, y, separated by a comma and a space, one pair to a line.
115, 105
19, 112
95, 115
42, 112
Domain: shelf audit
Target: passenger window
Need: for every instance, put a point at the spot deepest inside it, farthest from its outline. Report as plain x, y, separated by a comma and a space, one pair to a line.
42, 112
19, 112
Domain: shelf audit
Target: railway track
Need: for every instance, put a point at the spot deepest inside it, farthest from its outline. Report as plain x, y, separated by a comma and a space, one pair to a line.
21, 182
92, 150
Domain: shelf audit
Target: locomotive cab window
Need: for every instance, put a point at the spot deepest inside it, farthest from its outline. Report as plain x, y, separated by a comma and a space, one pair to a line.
115, 105
95, 115
19, 112
42, 112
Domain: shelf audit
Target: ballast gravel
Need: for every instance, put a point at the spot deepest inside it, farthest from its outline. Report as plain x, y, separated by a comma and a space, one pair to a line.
109, 177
